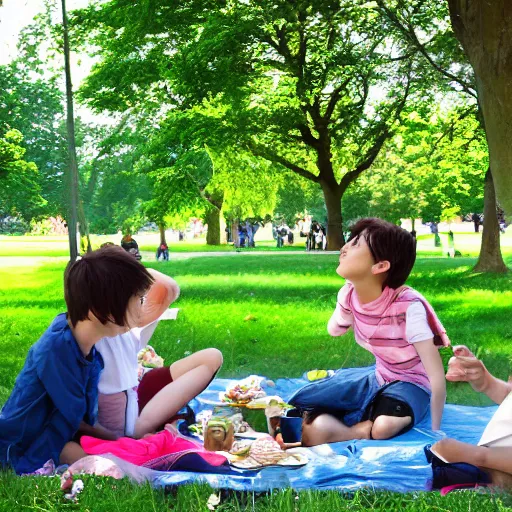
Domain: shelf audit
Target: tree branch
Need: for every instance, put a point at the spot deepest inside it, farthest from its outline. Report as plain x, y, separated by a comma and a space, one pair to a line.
374, 151
464, 114
368, 160
307, 137
263, 152
410, 33
335, 96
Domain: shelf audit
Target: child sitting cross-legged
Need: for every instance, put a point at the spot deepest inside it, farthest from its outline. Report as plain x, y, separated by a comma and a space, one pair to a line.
398, 326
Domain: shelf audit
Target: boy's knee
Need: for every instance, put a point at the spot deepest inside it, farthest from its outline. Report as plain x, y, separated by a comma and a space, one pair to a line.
385, 427
312, 433
215, 359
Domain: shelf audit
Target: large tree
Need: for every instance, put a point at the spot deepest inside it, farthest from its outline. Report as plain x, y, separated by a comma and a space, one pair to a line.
425, 25
314, 87
484, 29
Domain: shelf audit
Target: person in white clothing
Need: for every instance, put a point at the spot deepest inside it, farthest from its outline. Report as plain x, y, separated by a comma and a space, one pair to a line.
494, 451
127, 407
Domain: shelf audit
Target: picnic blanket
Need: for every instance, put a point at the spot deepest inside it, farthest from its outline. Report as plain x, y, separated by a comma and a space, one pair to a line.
398, 464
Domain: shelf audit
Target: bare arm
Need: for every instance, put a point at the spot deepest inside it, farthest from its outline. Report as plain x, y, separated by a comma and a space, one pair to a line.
96, 431
465, 367
163, 292
431, 360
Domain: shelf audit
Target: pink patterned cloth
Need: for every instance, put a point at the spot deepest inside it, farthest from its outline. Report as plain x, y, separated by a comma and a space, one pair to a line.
380, 328
142, 452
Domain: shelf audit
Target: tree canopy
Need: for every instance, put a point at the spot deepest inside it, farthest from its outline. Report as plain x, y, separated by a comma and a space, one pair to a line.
19, 179
314, 88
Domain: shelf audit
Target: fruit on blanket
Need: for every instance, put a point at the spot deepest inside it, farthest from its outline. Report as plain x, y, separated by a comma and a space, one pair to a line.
244, 391
267, 451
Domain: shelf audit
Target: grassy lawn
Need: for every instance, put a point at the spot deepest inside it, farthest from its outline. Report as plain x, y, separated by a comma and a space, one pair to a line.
290, 299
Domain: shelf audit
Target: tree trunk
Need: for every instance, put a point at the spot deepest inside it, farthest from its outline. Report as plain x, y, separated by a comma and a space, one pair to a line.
70, 124
332, 197
490, 259
212, 217
234, 233
161, 228
83, 223
484, 28
213, 220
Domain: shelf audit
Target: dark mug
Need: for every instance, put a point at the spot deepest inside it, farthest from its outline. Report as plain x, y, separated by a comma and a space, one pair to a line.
291, 429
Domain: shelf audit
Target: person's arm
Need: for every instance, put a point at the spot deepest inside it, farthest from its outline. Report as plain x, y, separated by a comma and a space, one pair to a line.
163, 292
465, 367
96, 431
431, 360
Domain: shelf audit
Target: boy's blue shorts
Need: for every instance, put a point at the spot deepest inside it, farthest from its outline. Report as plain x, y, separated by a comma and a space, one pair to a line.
349, 393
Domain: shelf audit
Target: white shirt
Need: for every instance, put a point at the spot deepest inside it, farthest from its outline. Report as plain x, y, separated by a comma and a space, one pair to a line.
120, 355
120, 371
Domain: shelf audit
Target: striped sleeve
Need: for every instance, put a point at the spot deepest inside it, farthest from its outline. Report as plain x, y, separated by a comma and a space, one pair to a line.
342, 318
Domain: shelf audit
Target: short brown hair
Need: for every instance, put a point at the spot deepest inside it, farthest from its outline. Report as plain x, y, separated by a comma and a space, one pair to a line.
388, 242
103, 282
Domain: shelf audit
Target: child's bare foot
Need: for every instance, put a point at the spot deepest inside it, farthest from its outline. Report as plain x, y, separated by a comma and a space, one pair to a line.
362, 430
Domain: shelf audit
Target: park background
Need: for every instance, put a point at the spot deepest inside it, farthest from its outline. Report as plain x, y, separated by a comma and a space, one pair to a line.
226, 111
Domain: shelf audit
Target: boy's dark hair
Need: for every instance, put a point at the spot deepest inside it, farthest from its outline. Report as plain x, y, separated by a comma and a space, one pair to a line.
103, 282
388, 242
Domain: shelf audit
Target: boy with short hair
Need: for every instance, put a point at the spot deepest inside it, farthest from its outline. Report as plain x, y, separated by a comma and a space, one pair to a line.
393, 322
56, 392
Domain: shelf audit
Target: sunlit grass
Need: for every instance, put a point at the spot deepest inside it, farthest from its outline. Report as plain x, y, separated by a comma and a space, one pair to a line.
268, 316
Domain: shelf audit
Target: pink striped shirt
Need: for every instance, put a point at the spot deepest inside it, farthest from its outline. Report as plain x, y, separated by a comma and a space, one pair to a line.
380, 328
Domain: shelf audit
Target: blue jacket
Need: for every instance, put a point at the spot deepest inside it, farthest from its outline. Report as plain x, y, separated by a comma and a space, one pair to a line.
56, 389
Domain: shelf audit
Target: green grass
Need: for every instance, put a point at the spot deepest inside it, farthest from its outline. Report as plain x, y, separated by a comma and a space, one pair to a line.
290, 298
55, 246
107, 495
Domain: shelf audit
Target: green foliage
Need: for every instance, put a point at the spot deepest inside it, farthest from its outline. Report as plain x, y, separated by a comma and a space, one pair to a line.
119, 197
299, 197
33, 106
313, 87
18, 179
13, 226
432, 169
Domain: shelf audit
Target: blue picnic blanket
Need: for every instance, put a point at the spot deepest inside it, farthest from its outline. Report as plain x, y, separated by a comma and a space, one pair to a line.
398, 464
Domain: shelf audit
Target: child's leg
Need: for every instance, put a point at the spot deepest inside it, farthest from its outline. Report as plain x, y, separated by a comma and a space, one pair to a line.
499, 458
394, 409
385, 427
190, 376
71, 453
328, 429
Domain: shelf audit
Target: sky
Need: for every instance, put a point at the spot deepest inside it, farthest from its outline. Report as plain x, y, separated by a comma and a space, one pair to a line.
16, 14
